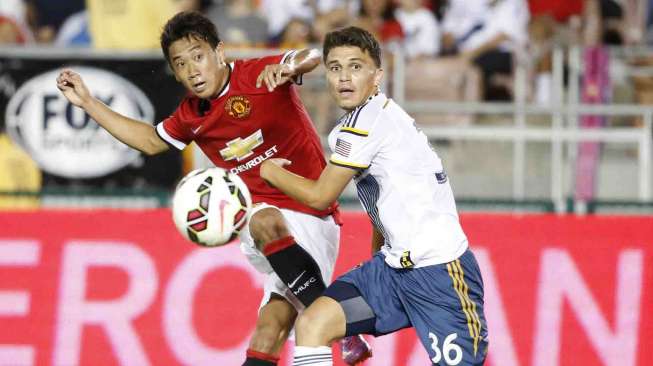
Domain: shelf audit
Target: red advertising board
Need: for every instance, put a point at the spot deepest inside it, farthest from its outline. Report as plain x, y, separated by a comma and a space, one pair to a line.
122, 287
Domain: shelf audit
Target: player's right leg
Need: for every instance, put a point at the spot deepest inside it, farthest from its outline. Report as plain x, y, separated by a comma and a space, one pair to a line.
445, 303
275, 320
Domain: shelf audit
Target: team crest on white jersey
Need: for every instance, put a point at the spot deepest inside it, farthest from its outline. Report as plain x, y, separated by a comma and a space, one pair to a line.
240, 148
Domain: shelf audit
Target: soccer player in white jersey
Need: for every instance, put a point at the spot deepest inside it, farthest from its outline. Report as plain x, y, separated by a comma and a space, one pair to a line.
423, 275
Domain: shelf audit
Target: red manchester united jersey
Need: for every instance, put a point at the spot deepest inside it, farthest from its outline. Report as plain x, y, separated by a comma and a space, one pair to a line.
246, 125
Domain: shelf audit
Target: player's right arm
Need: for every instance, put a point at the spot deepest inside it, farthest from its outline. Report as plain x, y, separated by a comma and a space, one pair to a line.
136, 134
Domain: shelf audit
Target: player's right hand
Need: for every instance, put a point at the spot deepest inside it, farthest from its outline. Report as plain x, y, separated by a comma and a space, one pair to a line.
73, 88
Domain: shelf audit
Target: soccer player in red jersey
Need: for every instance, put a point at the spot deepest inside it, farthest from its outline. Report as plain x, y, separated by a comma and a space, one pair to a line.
240, 114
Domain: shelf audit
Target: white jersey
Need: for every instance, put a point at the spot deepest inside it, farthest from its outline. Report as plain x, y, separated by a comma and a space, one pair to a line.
401, 184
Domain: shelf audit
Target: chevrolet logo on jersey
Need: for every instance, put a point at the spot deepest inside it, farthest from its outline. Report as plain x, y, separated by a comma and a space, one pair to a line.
240, 149
405, 260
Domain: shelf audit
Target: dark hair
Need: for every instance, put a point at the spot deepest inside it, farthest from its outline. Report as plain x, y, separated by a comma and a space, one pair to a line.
185, 25
353, 36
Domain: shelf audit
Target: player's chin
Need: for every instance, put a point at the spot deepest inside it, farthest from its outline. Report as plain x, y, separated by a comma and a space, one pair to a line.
203, 93
347, 104
200, 94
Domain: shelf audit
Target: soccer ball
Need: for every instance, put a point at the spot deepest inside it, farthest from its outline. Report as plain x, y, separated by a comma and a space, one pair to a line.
211, 206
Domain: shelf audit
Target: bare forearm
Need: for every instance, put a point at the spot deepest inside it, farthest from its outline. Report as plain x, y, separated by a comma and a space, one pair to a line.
296, 187
305, 60
318, 194
138, 135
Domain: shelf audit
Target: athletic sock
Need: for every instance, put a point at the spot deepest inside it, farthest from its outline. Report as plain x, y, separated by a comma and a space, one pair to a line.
296, 268
255, 358
312, 356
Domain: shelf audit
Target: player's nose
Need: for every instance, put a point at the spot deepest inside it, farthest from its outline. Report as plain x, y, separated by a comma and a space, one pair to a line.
344, 75
193, 72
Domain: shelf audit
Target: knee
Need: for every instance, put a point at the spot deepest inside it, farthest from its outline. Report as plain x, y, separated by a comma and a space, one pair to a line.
307, 325
266, 226
312, 329
268, 337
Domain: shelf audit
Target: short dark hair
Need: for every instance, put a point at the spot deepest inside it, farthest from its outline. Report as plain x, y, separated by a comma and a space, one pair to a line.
185, 25
353, 36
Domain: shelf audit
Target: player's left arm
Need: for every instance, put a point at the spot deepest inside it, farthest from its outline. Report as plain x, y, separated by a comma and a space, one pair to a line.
317, 194
377, 239
298, 63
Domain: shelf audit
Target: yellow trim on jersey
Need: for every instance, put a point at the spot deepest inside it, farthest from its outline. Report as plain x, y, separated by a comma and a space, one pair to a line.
387, 101
469, 307
354, 131
348, 164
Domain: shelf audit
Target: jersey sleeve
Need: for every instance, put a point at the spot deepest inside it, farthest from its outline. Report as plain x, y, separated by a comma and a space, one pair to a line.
358, 139
173, 132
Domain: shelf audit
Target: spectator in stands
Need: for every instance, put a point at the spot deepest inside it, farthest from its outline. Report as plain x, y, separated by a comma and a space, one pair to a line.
487, 33
132, 25
13, 22
278, 14
563, 23
643, 84
297, 35
441, 79
324, 15
48, 16
460, 19
74, 31
333, 14
420, 28
240, 23
378, 18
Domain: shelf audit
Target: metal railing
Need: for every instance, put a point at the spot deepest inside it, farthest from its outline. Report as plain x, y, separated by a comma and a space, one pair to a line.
563, 130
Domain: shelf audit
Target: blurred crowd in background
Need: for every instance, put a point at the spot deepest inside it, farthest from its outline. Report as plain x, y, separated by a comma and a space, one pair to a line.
477, 40
455, 50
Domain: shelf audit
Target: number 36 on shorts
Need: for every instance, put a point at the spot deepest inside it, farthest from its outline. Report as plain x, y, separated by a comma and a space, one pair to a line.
451, 352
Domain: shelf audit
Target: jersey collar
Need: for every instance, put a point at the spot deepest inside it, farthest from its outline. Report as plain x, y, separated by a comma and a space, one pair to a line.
225, 88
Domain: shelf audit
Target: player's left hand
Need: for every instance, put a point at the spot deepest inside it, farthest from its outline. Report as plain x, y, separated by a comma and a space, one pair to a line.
275, 75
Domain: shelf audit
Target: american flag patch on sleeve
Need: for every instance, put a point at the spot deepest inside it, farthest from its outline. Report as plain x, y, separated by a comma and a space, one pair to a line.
343, 147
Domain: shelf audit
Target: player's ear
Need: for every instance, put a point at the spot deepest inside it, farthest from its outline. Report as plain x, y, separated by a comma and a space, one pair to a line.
219, 52
378, 76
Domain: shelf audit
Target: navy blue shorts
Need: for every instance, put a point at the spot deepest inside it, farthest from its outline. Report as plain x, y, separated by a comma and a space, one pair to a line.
443, 302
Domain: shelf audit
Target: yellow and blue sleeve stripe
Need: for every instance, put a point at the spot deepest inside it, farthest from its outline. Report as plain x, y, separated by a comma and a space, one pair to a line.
347, 164
354, 131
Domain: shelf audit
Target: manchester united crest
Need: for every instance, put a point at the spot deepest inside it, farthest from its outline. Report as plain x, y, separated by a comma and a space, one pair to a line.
238, 106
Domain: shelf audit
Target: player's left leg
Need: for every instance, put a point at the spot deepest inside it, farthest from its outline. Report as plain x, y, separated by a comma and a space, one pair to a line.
362, 301
311, 255
445, 304
275, 320
312, 250
319, 325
